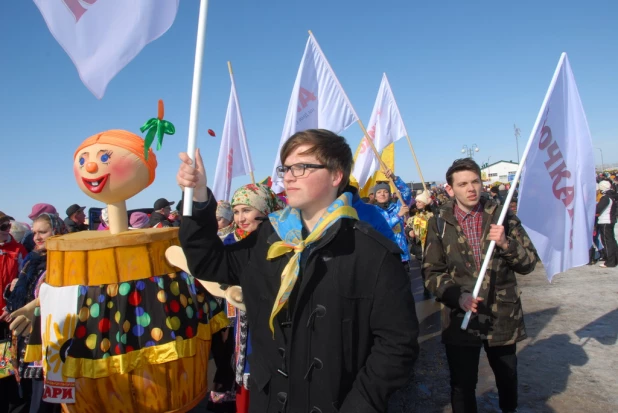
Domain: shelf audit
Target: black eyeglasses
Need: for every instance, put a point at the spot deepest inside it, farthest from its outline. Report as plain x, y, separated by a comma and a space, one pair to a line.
5, 226
298, 169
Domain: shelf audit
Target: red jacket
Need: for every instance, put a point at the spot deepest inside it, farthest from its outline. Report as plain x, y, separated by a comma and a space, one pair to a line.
11, 255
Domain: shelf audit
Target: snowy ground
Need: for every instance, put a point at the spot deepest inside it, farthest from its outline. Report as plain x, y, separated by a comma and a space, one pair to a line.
568, 364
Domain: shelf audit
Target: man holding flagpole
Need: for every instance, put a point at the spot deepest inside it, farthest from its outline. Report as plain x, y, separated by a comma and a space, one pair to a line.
457, 240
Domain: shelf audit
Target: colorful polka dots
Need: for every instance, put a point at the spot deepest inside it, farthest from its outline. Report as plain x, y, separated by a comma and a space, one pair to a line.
138, 330
119, 318
124, 288
84, 313
104, 325
143, 320
94, 310
112, 290
135, 298
173, 323
156, 333
175, 288
80, 331
91, 341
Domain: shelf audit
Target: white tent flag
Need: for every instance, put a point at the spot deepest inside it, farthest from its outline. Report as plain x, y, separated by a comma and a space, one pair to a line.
102, 36
234, 159
318, 101
385, 127
557, 191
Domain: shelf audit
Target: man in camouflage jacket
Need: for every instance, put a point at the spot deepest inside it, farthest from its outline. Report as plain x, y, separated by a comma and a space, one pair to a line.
456, 246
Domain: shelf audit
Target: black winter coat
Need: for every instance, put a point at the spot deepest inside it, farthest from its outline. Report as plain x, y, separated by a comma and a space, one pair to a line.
348, 337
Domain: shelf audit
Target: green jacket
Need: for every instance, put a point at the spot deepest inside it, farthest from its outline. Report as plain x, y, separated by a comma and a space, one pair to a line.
450, 270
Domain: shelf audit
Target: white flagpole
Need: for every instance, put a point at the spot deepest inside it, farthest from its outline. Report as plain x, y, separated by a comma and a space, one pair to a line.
195, 98
507, 201
242, 124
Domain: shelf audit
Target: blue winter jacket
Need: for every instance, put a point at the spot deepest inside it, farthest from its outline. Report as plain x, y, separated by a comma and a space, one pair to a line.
372, 215
395, 221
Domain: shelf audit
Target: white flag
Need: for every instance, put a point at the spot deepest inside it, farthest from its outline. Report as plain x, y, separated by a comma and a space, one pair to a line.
318, 102
102, 36
234, 159
385, 127
557, 191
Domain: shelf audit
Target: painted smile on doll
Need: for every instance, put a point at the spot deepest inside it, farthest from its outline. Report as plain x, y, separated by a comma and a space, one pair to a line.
95, 185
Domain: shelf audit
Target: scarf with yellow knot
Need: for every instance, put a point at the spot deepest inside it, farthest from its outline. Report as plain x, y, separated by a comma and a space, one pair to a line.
288, 225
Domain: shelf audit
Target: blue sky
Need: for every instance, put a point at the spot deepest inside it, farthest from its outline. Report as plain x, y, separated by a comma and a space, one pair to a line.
462, 73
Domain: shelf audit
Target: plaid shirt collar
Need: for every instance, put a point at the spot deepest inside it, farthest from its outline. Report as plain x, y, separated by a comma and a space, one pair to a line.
461, 215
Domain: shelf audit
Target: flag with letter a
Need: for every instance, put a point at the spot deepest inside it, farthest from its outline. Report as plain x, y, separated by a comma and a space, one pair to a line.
102, 36
318, 102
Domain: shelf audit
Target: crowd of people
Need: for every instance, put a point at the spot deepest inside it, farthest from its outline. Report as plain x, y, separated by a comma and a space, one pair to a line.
328, 319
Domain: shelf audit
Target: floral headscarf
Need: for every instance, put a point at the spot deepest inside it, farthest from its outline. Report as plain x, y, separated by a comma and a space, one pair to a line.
257, 196
57, 224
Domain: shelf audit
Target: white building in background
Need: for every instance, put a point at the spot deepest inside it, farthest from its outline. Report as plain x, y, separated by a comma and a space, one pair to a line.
501, 171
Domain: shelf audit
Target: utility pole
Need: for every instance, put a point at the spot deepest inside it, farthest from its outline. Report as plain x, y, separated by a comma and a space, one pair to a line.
602, 163
517, 133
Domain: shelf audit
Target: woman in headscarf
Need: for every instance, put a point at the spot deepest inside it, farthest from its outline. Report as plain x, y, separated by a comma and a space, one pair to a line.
225, 219
25, 292
251, 205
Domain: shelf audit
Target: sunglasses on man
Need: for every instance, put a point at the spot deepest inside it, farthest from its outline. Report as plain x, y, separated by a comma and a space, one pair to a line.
6, 226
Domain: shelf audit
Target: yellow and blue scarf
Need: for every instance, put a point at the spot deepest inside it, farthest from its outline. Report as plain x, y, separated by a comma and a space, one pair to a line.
288, 225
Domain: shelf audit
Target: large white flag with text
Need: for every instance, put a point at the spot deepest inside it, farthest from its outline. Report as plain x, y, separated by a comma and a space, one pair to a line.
385, 127
557, 187
318, 101
102, 36
234, 159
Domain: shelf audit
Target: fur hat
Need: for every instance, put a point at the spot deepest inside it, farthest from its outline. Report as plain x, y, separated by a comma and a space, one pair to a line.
425, 197
604, 186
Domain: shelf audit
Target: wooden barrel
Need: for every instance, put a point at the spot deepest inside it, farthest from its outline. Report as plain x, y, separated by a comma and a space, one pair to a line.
176, 386
96, 258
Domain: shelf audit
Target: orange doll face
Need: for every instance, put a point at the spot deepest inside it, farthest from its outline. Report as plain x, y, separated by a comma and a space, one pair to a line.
109, 173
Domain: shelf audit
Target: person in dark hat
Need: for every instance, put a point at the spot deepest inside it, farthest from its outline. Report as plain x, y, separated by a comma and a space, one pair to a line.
159, 217
76, 218
177, 214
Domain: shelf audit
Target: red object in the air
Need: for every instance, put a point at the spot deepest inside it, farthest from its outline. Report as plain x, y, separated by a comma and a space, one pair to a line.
211, 132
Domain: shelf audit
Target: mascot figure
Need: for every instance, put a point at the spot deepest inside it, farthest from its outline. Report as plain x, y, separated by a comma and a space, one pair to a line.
121, 328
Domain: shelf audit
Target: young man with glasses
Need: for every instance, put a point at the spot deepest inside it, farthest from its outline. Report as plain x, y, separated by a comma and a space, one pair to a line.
329, 304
